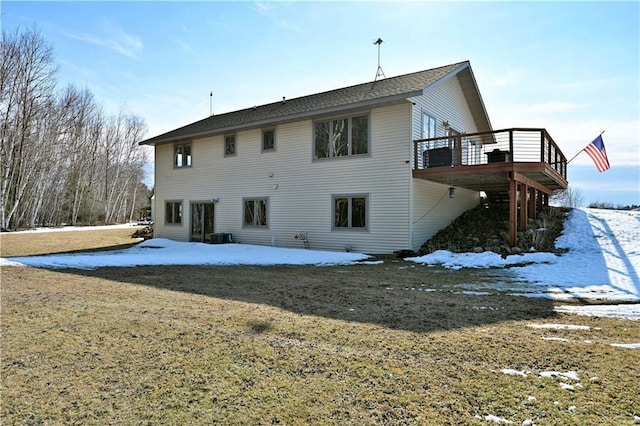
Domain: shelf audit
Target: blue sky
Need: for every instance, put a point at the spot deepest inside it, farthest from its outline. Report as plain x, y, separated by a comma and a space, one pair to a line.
570, 67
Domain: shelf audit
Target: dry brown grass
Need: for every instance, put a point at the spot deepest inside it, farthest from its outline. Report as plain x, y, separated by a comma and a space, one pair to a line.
297, 345
27, 244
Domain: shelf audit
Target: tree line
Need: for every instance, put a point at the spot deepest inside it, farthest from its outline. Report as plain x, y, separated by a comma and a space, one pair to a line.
63, 160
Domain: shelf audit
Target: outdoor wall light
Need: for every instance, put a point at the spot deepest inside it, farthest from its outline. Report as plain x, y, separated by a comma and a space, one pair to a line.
452, 191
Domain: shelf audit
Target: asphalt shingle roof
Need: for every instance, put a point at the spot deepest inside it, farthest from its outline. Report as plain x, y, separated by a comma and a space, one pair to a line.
372, 92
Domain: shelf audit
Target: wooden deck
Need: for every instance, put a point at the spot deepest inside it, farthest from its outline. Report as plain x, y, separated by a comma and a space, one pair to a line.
522, 163
495, 177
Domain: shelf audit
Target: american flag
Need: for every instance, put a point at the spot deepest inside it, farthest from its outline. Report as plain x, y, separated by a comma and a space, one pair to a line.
598, 154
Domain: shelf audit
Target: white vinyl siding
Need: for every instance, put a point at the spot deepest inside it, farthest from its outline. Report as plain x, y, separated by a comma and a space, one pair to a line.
432, 209
446, 103
300, 190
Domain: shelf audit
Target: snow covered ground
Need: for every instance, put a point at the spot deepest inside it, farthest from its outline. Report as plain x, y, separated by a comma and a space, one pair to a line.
160, 251
603, 262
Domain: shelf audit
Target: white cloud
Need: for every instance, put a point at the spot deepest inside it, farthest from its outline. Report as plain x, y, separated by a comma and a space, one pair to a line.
555, 107
272, 11
590, 186
113, 38
513, 77
588, 84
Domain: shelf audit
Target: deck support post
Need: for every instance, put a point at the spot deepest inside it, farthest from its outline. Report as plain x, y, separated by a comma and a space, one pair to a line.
524, 190
540, 200
533, 197
513, 210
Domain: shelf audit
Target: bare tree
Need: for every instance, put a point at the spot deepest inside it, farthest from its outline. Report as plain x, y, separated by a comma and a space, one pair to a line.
61, 159
570, 197
27, 89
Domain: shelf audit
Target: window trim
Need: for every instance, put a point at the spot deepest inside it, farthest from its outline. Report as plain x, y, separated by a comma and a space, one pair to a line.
184, 161
254, 225
174, 203
235, 145
349, 147
273, 148
350, 197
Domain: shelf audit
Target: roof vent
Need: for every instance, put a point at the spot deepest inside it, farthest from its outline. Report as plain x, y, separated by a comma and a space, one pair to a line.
283, 100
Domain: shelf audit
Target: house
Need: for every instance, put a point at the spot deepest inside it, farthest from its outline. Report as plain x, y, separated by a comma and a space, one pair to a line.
366, 168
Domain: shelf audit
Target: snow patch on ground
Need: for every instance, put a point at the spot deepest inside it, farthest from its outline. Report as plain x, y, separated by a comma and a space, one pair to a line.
494, 419
629, 311
78, 228
160, 251
602, 262
568, 375
555, 339
626, 345
559, 326
512, 372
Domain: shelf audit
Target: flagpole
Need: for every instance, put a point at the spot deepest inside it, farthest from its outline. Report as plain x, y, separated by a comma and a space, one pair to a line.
582, 150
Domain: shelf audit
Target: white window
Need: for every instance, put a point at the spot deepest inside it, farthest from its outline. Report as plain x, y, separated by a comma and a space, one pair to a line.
428, 126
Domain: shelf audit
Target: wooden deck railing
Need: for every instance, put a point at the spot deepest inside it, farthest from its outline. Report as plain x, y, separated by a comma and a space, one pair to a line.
506, 145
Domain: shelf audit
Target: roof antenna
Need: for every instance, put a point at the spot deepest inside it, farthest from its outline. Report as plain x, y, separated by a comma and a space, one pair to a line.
210, 103
379, 71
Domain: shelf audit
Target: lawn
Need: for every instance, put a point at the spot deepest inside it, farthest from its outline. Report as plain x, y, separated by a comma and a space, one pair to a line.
394, 343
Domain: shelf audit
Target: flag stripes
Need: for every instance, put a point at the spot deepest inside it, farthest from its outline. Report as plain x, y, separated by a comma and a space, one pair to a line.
598, 154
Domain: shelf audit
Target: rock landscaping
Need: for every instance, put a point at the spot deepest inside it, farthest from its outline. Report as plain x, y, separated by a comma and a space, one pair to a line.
486, 228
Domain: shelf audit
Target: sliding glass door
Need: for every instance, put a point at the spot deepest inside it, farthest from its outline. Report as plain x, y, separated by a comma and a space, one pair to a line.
202, 215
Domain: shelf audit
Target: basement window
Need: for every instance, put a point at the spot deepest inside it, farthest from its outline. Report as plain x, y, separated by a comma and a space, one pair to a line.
255, 212
350, 211
173, 213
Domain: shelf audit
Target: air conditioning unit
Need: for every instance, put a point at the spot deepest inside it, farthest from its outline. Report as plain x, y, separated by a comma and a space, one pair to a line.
221, 238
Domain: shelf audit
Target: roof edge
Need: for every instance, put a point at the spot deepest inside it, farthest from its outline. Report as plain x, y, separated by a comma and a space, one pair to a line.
166, 137
293, 117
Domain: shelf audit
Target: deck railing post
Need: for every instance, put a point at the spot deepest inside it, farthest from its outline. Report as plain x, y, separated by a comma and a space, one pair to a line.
415, 155
548, 150
511, 145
